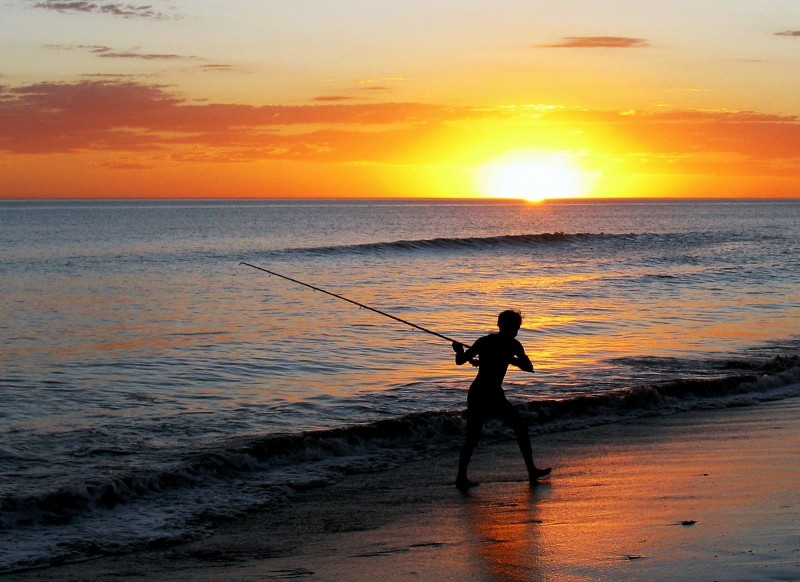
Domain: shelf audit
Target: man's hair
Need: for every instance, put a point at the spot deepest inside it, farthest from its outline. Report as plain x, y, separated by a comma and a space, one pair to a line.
509, 318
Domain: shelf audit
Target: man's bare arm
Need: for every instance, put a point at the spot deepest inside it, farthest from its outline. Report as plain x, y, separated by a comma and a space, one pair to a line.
521, 360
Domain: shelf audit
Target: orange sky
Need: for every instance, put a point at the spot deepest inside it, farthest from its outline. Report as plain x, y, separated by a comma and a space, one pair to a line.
314, 99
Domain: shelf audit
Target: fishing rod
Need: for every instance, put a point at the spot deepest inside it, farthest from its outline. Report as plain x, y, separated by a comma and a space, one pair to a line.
378, 311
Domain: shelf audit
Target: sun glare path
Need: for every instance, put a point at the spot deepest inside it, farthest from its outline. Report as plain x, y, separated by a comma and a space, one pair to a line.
534, 178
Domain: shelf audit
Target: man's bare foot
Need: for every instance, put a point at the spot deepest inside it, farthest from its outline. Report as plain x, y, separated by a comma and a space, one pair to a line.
463, 483
538, 474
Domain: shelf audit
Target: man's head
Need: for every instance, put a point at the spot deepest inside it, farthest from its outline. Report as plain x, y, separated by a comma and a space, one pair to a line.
509, 322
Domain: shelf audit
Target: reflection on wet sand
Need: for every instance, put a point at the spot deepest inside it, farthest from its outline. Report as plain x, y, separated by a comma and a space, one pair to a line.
506, 527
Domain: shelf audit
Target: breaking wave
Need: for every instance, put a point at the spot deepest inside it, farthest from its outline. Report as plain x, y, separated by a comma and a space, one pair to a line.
469, 243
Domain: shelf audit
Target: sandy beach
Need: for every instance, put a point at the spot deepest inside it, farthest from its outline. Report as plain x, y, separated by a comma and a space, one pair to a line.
703, 495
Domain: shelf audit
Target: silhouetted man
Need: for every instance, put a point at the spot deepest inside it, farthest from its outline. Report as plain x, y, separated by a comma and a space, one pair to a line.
486, 398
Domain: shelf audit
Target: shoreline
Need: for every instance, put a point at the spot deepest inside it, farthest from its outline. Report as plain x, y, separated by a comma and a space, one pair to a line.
695, 495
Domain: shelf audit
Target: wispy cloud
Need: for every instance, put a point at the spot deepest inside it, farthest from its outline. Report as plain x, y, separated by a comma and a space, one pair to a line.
109, 53
111, 76
332, 98
384, 80
788, 33
690, 90
597, 42
358, 92
218, 68
112, 8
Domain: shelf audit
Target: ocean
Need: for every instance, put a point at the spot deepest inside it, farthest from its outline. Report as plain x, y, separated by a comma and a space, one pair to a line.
153, 386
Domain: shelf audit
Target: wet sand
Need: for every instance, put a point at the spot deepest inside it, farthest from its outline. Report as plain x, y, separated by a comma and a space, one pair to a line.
704, 495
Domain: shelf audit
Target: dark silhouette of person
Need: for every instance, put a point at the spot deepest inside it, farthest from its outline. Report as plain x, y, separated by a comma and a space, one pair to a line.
486, 398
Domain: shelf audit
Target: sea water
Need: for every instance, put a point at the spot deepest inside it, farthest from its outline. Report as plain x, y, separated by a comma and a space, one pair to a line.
152, 385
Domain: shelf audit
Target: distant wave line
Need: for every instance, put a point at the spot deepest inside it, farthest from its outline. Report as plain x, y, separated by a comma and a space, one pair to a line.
471, 243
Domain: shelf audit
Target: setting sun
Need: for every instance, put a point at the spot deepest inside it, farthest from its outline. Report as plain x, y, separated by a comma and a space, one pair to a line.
534, 177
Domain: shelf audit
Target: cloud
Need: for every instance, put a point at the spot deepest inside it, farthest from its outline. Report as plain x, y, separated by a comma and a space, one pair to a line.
110, 76
788, 33
362, 88
383, 80
690, 90
215, 68
598, 42
109, 53
109, 115
112, 8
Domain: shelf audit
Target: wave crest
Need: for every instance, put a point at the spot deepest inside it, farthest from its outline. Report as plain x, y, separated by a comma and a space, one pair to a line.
444, 244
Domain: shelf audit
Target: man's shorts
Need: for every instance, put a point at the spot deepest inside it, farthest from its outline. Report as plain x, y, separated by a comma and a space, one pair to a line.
481, 409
